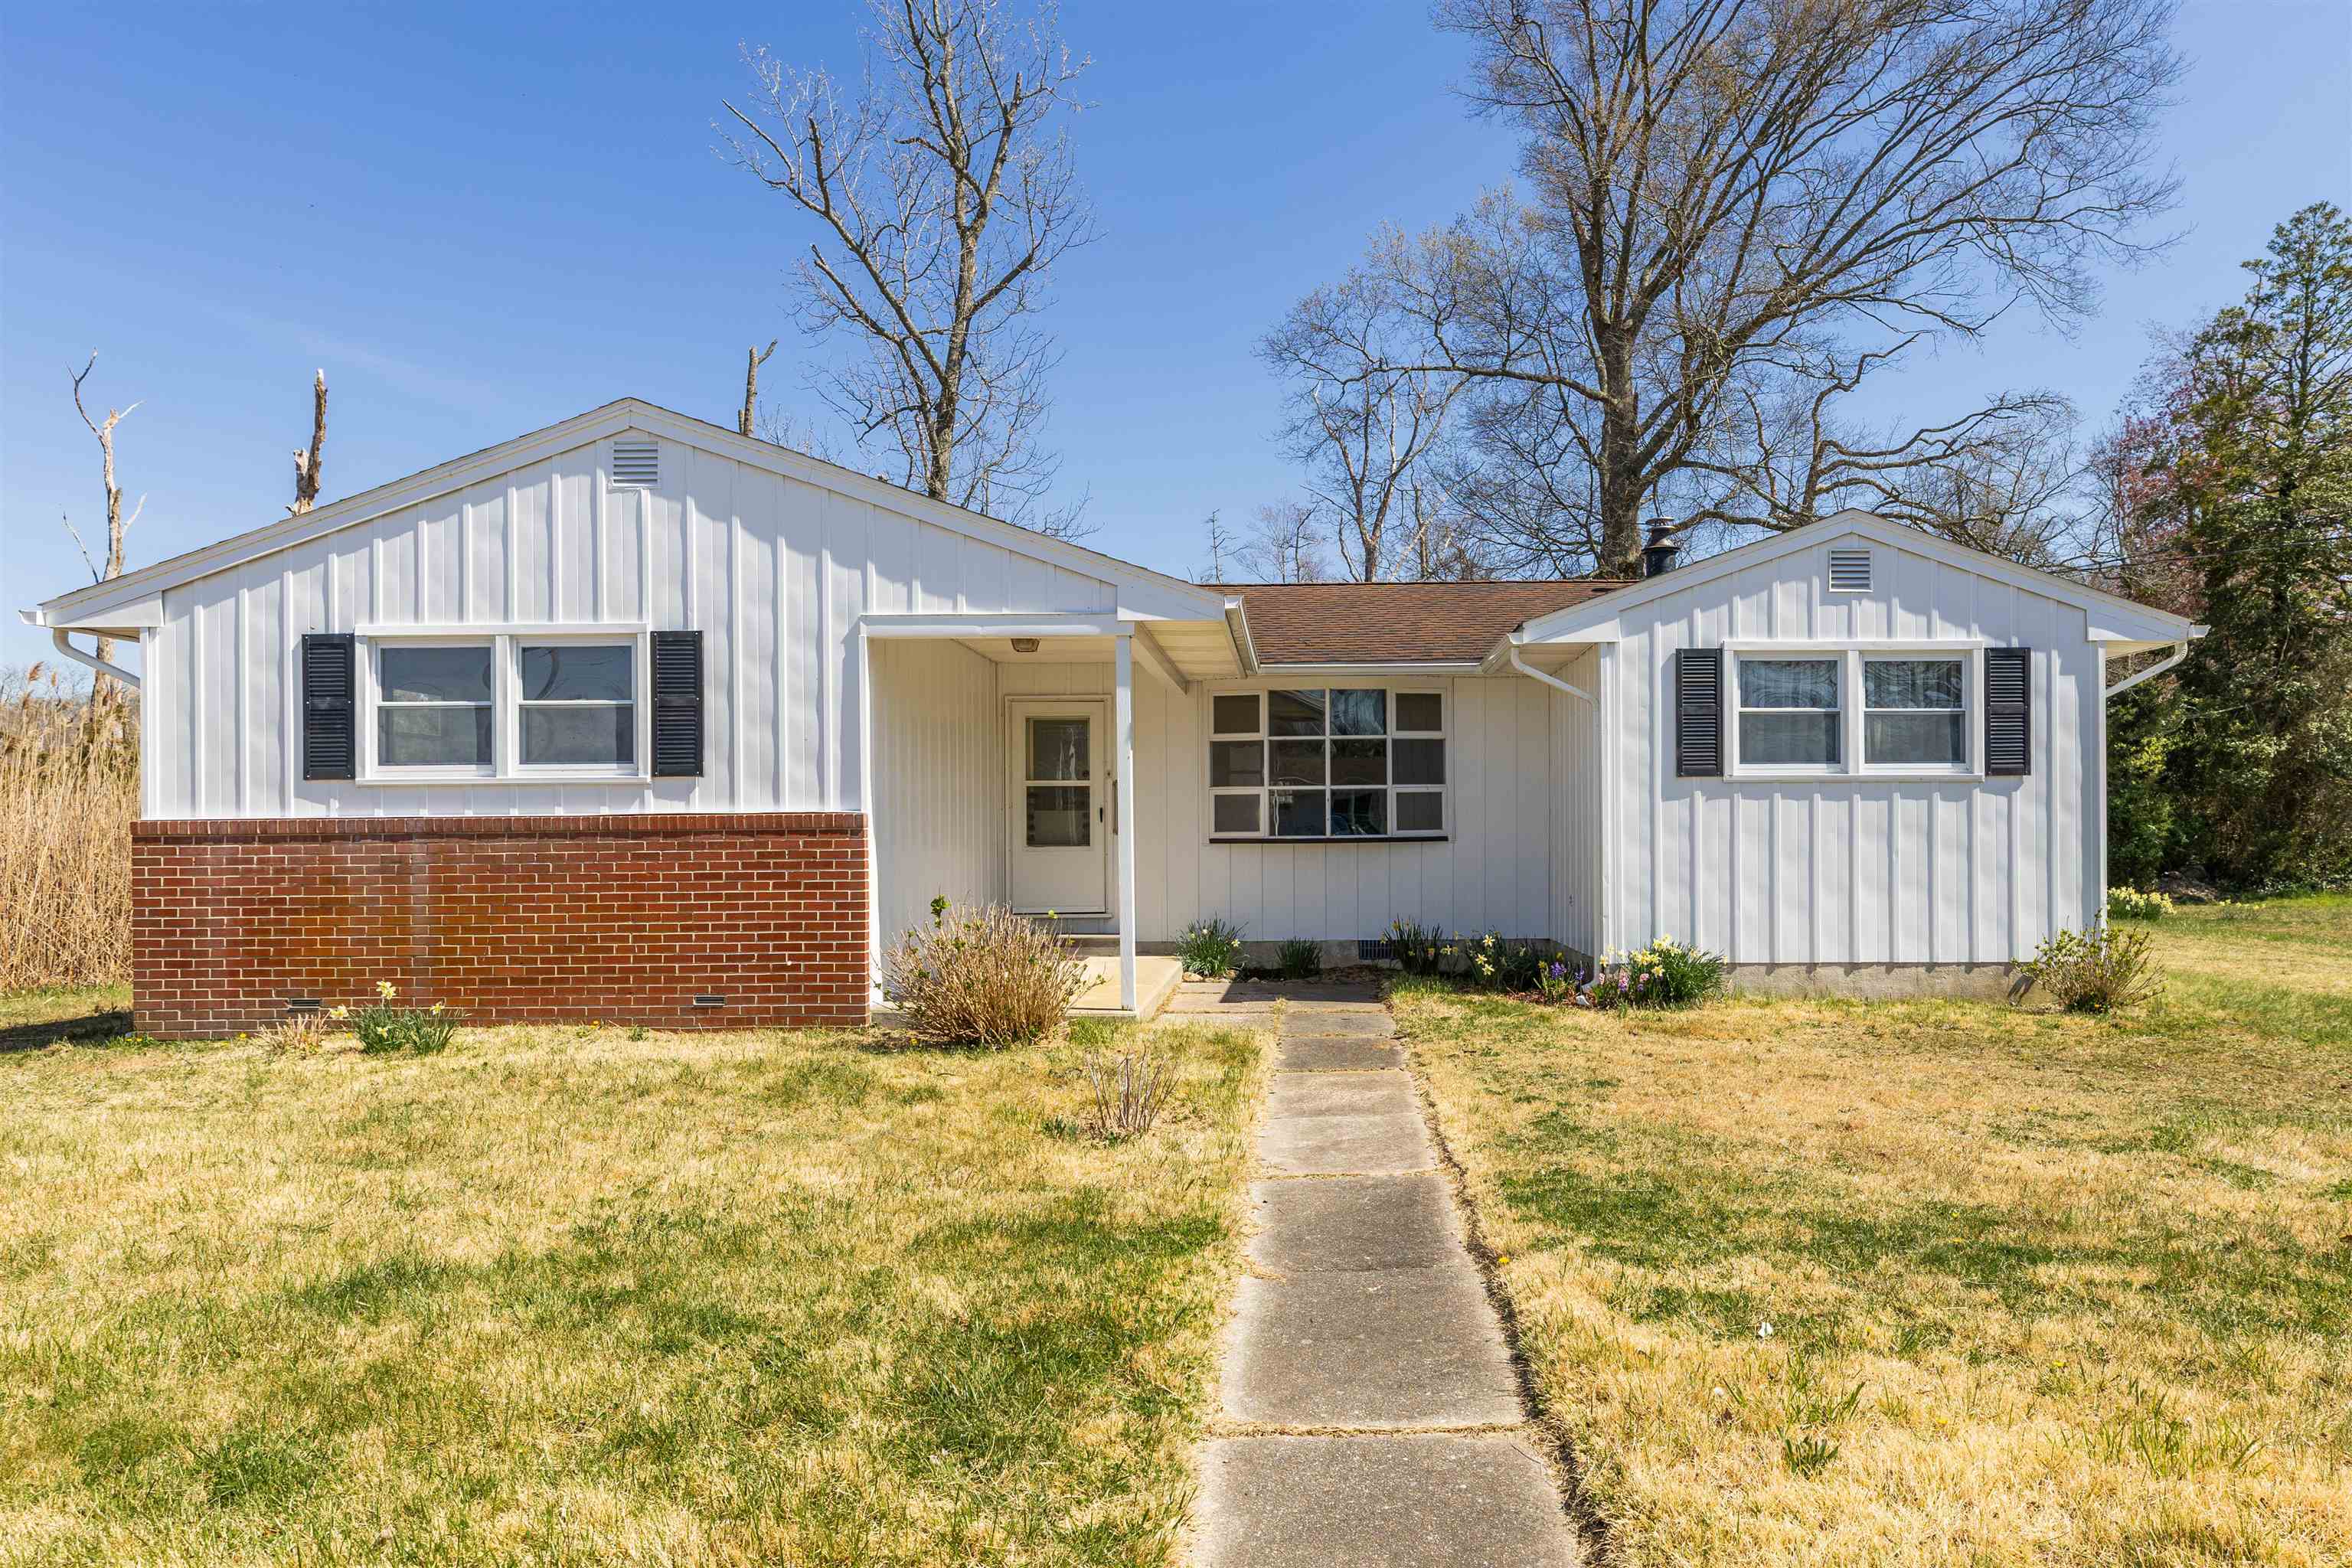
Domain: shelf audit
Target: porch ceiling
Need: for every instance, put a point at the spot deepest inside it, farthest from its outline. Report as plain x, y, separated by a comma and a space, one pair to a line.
1203, 650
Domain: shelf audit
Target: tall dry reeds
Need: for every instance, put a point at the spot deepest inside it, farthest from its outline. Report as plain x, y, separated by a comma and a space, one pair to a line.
69, 791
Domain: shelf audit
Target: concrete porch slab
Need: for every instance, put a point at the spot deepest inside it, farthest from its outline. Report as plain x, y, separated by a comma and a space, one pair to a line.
1156, 980
1483, 1500
1398, 1348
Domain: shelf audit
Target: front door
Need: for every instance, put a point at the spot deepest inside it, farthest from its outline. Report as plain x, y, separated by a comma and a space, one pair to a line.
1060, 802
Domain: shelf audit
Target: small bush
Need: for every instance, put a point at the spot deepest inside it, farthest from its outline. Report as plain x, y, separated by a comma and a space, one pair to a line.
1419, 949
1130, 1089
1664, 974
1211, 948
2131, 904
2099, 970
299, 1033
1301, 959
384, 1026
981, 977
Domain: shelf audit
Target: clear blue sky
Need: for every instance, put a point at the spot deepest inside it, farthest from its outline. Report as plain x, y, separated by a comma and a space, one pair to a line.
480, 221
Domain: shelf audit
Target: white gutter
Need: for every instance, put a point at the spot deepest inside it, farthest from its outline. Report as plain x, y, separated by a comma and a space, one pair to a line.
1237, 627
2179, 652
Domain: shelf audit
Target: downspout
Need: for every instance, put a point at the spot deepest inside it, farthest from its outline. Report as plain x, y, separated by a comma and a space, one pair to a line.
58, 635
1532, 673
2179, 652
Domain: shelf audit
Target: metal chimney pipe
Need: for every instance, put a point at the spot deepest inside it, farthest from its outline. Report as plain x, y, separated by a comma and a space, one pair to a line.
1658, 555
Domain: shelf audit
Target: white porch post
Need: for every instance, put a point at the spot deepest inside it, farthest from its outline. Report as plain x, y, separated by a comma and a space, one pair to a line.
1122, 727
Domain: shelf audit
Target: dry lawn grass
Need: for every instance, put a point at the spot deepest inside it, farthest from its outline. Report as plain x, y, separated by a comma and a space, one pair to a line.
2043, 1289
69, 791
563, 1296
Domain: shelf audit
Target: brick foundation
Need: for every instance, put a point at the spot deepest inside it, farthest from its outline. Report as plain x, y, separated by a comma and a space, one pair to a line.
625, 919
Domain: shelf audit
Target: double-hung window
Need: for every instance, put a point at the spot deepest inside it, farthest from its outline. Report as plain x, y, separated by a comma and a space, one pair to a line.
1914, 711
1320, 762
436, 706
504, 705
1790, 715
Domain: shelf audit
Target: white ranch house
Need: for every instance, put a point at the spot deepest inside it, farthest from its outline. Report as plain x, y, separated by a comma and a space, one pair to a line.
1850, 755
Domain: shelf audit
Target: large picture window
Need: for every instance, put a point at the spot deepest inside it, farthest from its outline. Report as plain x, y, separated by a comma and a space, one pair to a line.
1341, 761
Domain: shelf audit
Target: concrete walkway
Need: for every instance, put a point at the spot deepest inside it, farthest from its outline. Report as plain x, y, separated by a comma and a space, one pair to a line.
1370, 1414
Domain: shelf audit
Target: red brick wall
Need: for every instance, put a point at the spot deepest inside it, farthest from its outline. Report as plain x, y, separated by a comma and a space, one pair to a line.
507, 918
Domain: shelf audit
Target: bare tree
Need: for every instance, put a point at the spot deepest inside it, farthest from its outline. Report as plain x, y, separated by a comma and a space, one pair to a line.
1364, 433
1221, 547
943, 195
746, 420
1719, 191
1286, 546
117, 524
306, 460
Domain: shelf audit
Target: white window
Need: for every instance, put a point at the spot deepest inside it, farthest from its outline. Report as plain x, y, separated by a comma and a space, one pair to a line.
436, 705
577, 702
1790, 715
1337, 762
1914, 711
542, 702
1889, 709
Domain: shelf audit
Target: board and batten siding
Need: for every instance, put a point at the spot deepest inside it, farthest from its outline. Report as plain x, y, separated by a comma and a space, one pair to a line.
773, 571
1851, 869
1499, 867
940, 822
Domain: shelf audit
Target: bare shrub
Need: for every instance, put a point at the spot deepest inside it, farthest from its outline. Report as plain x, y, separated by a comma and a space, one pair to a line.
2102, 970
69, 792
300, 1034
1130, 1090
982, 976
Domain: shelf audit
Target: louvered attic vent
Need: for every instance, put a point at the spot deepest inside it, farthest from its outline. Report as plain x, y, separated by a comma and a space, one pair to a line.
1849, 571
636, 463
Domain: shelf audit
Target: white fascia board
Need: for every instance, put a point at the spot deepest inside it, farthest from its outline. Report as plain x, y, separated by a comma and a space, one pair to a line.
1155, 595
1599, 619
1013, 625
123, 619
1399, 669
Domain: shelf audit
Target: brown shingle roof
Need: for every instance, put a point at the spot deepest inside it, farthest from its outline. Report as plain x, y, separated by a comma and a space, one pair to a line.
1384, 623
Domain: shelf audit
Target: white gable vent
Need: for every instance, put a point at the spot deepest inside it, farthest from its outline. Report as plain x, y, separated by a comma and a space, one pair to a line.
636, 463
1849, 571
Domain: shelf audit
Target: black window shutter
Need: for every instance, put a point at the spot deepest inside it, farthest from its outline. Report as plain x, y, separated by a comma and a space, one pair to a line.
677, 704
2008, 710
1698, 712
329, 723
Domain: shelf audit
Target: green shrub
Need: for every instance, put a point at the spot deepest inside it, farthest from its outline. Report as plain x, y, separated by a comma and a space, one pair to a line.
2099, 970
1301, 959
983, 977
1664, 974
2131, 904
384, 1026
1418, 949
1211, 947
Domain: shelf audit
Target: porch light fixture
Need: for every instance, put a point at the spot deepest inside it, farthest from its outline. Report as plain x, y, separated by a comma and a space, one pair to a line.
1024, 644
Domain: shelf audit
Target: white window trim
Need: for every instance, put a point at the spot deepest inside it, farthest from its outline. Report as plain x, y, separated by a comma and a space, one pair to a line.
1325, 681
1851, 655
505, 644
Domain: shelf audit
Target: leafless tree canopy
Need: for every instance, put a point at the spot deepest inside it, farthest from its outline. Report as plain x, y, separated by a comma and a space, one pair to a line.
1286, 546
1734, 211
943, 194
308, 459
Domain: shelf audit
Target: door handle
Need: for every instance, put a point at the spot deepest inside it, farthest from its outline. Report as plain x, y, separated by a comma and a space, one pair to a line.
1114, 805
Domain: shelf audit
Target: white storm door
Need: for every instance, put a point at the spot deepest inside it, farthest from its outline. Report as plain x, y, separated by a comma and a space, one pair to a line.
1060, 805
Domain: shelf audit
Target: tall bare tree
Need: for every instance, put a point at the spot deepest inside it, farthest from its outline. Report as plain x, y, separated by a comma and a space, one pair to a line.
117, 524
1286, 546
1724, 191
307, 461
1365, 434
943, 195
748, 419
